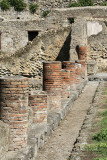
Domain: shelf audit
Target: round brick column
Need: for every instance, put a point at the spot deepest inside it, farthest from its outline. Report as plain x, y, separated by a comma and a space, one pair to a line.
70, 65
52, 83
82, 52
13, 109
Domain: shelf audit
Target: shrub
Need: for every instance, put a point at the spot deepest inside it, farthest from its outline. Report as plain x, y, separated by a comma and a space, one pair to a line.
74, 4
102, 135
33, 8
81, 3
103, 4
19, 5
5, 5
86, 2
45, 13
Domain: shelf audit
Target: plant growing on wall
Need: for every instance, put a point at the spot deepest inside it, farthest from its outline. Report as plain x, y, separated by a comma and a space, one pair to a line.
33, 8
103, 4
86, 2
81, 3
5, 5
74, 4
19, 5
45, 13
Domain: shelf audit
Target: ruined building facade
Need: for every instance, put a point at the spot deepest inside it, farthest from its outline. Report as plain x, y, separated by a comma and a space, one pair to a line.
42, 62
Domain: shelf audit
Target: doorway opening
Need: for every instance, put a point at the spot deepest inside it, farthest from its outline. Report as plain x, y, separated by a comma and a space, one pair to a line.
32, 35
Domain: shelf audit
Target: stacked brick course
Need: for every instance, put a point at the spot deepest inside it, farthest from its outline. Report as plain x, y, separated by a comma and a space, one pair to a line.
52, 83
38, 102
14, 111
70, 65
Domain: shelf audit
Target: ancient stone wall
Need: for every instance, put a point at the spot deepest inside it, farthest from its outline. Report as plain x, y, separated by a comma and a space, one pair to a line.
97, 44
46, 47
90, 28
43, 6
55, 41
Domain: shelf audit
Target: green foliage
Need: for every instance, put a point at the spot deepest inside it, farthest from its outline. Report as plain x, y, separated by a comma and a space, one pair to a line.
33, 7
103, 4
105, 91
19, 5
81, 3
45, 13
104, 113
5, 5
102, 135
100, 159
100, 148
86, 2
104, 122
74, 4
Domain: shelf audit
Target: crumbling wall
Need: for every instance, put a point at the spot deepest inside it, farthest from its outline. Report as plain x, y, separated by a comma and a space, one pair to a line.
54, 42
28, 61
97, 44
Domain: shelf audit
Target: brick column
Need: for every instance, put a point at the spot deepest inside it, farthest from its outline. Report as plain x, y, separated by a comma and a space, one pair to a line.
82, 52
38, 102
13, 109
52, 84
65, 83
70, 65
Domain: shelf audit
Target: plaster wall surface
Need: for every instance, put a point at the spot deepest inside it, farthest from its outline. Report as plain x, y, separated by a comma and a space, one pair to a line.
93, 28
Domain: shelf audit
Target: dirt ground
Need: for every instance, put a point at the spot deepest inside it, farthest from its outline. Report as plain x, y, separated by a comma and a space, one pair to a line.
62, 141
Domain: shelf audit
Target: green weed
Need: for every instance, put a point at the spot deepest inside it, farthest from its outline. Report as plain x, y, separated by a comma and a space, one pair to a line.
104, 122
99, 148
45, 13
105, 91
33, 8
102, 135
103, 113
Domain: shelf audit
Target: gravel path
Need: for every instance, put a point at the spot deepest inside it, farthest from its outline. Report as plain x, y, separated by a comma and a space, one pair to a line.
60, 145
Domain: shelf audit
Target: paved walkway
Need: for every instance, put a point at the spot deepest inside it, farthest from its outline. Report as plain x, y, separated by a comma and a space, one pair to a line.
63, 138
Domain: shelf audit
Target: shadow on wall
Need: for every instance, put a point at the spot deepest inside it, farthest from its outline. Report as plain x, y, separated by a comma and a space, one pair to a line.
64, 54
